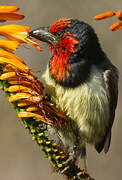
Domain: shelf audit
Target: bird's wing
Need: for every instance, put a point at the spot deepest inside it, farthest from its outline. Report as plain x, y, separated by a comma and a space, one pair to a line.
111, 81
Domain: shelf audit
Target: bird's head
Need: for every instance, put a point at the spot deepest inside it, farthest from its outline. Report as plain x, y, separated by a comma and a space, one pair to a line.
75, 48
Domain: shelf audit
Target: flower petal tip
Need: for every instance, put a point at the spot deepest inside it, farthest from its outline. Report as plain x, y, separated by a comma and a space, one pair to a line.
8, 9
115, 26
104, 15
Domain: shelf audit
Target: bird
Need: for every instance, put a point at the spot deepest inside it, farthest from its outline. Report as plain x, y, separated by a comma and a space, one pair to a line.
82, 83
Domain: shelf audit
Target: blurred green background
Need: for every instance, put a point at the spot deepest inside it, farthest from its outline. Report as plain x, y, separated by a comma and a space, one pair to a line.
20, 158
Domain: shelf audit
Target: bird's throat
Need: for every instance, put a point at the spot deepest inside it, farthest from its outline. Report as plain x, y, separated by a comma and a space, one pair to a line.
59, 63
59, 67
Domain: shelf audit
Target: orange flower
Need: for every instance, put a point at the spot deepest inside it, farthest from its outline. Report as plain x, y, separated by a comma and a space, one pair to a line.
119, 14
9, 45
11, 16
104, 15
8, 75
8, 9
14, 32
32, 42
16, 81
24, 88
25, 102
10, 55
9, 13
25, 114
19, 34
18, 65
32, 108
17, 88
22, 95
115, 26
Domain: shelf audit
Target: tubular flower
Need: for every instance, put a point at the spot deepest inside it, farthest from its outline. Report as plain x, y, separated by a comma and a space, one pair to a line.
17, 34
25, 114
12, 62
23, 87
10, 55
8, 45
9, 13
32, 108
118, 14
16, 88
23, 103
26, 92
8, 9
14, 32
11, 16
7, 75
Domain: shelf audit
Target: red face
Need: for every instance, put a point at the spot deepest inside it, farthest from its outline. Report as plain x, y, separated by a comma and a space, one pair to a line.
75, 47
61, 52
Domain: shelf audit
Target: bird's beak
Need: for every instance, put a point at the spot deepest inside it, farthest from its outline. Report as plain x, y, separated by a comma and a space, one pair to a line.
44, 35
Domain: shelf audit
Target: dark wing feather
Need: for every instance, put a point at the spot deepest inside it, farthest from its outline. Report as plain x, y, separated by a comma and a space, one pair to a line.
111, 82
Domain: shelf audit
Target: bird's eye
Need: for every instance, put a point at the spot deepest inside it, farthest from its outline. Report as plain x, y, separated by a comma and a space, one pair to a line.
63, 48
59, 34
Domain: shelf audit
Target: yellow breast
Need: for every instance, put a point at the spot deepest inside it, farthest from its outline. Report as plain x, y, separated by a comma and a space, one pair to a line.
87, 105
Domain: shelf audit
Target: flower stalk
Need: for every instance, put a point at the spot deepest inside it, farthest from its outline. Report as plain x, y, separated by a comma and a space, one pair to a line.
27, 95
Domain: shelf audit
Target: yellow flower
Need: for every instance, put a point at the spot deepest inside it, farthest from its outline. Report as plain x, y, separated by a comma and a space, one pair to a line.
24, 102
9, 45
10, 55
25, 114
25, 89
14, 64
32, 108
14, 32
19, 96
21, 88
17, 33
8, 75
14, 61
8, 9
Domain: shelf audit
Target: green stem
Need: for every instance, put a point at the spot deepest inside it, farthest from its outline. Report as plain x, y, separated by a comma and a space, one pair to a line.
54, 153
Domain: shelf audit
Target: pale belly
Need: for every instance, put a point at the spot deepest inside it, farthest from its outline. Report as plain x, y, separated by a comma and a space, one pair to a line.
86, 106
